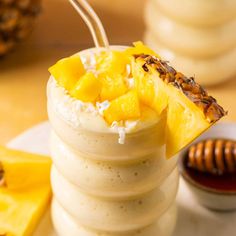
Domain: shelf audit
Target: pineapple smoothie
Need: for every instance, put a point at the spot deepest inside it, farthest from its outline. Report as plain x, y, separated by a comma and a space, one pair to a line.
117, 118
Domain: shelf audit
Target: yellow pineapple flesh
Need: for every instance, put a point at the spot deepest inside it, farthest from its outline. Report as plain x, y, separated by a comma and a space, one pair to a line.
112, 87
87, 89
21, 211
34, 169
67, 71
123, 108
25, 191
139, 48
111, 62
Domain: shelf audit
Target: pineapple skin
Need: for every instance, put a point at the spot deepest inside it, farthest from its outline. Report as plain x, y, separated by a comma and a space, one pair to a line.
190, 110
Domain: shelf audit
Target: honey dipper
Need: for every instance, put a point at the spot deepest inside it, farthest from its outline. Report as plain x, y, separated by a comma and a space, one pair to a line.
214, 156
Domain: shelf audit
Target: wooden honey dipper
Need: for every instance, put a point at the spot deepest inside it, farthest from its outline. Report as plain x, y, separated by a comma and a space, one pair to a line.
214, 156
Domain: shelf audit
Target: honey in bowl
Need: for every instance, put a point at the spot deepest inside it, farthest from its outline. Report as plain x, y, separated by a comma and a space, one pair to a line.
211, 163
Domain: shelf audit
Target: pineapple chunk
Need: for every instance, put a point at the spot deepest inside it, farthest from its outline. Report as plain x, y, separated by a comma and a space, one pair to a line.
67, 71
112, 87
25, 191
186, 120
21, 211
124, 107
112, 63
87, 89
34, 169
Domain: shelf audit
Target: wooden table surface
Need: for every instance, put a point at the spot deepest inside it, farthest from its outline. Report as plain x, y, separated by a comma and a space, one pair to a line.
60, 32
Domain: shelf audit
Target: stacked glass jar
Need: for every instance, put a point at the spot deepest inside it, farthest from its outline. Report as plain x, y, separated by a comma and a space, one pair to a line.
197, 36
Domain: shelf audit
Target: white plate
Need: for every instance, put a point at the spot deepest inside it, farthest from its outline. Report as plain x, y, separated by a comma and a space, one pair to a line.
193, 219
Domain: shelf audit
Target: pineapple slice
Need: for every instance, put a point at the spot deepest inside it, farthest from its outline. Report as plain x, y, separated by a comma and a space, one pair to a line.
112, 87
24, 191
34, 169
67, 71
190, 110
87, 89
124, 107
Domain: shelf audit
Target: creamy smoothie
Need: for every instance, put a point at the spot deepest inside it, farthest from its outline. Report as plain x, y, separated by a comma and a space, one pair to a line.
104, 185
111, 175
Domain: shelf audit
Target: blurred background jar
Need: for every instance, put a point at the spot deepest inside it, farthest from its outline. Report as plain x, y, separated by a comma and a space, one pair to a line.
197, 36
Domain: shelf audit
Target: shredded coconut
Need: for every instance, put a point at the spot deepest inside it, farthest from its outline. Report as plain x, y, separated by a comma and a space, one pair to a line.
90, 108
122, 128
130, 125
128, 69
69, 106
130, 82
102, 106
119, 128
122, 135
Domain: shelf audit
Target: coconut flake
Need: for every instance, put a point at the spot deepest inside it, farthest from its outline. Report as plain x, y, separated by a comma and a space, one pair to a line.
128, 69
130, 82
102, 106
120, 129
122, 135
130, 125
90, 108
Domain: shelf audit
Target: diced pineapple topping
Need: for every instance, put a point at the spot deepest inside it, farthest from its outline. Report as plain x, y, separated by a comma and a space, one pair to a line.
25, 191
112, 87
87, 89
124, 107
67, 71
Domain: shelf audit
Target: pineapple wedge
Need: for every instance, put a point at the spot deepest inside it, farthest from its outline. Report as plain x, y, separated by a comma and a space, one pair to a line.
25, 191
190, 109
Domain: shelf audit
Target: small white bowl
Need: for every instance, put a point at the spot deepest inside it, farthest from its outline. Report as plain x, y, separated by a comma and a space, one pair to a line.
209, 197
